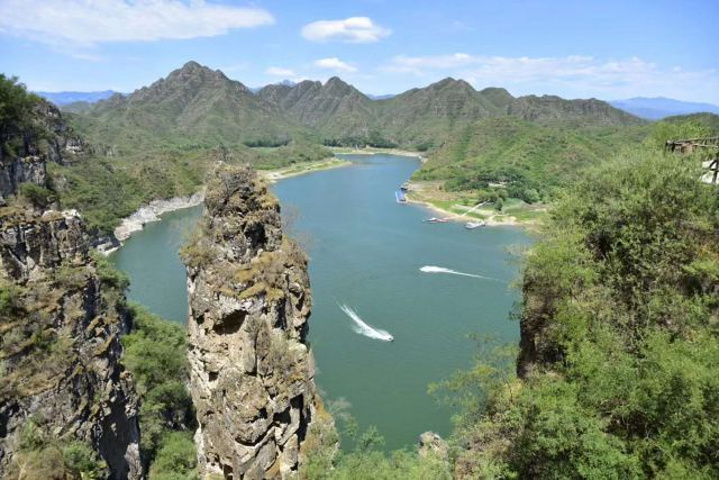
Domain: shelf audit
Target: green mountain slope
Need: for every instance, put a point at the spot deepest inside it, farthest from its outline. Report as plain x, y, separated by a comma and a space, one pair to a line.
193, 106
423, 118
548, 108
527, 145
335, 110
523, 155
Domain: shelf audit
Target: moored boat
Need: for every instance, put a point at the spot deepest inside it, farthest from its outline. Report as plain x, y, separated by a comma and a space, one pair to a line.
475, 224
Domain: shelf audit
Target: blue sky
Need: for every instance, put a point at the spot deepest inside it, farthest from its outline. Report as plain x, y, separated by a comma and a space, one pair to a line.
610, 49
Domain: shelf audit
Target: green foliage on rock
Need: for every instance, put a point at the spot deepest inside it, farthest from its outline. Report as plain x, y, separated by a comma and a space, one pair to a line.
39, 197
619, 356
43, 455
176, 459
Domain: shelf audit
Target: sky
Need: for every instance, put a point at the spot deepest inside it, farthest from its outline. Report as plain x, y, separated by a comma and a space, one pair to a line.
611, 49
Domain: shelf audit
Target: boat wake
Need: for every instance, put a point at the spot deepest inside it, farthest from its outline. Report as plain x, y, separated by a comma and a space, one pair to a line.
364, 329
432, 269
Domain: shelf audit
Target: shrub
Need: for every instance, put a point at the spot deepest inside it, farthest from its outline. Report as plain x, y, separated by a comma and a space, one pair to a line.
40, 197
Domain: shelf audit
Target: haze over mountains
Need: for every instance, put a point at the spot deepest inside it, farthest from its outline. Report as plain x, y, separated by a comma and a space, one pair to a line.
64, 98
660, 107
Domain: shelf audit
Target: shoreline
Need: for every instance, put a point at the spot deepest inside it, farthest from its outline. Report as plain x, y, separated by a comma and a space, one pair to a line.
375, 151
274, 176
491, 221
488, 215
155, 209
147, 214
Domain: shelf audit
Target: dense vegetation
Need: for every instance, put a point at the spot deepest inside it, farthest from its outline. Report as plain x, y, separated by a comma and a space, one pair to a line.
619, 354
155, 353
107, 189
16, 110
528, 160
365, 459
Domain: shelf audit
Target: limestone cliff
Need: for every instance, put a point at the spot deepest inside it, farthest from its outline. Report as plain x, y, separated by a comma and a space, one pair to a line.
61, 381
251, 369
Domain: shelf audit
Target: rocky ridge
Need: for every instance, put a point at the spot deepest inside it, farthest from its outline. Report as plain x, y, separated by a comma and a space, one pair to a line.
251, 369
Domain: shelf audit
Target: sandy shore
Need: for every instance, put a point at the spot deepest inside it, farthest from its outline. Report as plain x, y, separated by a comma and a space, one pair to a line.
374, 151
273, 176
493, 220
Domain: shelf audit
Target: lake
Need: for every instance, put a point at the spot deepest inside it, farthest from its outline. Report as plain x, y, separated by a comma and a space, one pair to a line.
366, 252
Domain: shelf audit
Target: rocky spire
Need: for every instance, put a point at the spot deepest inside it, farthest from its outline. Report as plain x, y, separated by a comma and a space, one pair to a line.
251, 370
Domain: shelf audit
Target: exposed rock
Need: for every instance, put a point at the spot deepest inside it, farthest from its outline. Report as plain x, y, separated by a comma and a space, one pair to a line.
60, 346
251, 371
49, 138
151, 213
432, 444
31, 245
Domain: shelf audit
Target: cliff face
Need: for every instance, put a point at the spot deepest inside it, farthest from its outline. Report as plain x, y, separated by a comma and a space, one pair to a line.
24, 155
251, 370
60, 325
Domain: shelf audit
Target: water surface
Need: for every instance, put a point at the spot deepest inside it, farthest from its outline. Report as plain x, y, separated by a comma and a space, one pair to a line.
366, 253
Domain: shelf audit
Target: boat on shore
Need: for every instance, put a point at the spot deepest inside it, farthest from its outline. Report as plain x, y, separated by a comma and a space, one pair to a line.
475, 224
400, 196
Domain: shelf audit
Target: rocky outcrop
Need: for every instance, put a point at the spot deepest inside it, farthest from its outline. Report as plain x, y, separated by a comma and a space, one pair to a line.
25, 153
431, 444
251, 369
61, 320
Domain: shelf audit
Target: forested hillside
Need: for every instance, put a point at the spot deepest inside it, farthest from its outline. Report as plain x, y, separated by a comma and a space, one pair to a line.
619, 359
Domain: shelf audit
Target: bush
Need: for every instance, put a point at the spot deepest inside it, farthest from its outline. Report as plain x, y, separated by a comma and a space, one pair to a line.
620, 358
176, 459
155, 353
109, 275
40, 197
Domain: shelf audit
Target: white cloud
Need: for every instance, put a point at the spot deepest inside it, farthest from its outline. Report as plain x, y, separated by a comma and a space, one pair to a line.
280, 72
87, 23
351, 30
574, 75
335, 64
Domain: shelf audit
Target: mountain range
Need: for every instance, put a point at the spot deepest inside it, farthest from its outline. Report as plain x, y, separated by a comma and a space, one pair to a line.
64, 98
659, 107
195, 105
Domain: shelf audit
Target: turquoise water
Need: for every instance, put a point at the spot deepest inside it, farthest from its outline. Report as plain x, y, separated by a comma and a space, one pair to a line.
151, 259
366, 253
